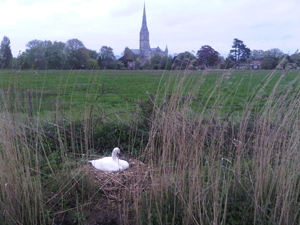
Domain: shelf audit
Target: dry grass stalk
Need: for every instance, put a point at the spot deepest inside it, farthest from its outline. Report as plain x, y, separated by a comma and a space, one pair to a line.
260, 162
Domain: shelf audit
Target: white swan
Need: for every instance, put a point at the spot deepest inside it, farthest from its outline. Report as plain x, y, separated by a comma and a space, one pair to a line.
110, 164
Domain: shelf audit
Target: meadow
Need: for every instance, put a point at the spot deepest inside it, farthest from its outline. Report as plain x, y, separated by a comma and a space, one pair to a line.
76, 91
205, 147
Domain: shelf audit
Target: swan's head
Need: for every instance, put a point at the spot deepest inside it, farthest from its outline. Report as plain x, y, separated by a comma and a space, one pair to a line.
115, 152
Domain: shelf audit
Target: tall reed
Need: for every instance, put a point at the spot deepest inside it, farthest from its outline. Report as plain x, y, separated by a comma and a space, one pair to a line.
208, 168
21, 191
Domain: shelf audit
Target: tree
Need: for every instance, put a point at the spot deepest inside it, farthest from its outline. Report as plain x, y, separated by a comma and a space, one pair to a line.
155, 62
33, 44
269, 63
106, 58
5, 53
184, 60
74, 44
43, 55
91, 64
161, 62
166, 63
273, 53
240, 52
207, 56
128, 56
75, 60
22, 62
80, 57
93, 54
169, 63
229, 62
106, 53
257, 54
55, 56
77, 54
296, 58
35, 54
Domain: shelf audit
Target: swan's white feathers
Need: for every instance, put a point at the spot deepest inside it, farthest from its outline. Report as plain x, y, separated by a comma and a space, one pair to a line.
110, 164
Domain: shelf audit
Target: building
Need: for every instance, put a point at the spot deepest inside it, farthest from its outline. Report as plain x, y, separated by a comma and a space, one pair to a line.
145, 52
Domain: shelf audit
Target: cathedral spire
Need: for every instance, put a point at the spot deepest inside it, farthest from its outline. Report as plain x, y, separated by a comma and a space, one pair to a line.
145, 52
144, 38
144, 24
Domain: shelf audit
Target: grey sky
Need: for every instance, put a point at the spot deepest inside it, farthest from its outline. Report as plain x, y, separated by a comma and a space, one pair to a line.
182, 25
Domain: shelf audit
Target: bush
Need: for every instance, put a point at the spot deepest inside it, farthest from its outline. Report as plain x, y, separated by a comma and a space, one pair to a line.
269, 63
92, 64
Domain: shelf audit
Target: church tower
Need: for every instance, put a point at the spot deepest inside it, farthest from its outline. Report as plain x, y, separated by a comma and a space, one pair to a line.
145, 50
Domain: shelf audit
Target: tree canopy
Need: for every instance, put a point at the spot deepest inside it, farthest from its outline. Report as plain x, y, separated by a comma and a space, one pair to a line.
273, 53
106, 53
161, 62
74, 44
240, 52
74, 55
5, 53
35, 54
77, 54
207, 56
55, 56
269, 63
184, 60
257, 54
128, 56
107, 59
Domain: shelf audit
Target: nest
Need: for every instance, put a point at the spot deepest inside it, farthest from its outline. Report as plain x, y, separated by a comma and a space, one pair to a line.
136, 177
119, 190
118, 193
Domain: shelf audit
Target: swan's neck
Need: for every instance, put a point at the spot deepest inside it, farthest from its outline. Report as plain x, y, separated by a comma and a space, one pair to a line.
114, 156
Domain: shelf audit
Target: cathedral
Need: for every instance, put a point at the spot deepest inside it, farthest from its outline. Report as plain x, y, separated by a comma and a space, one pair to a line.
145, 52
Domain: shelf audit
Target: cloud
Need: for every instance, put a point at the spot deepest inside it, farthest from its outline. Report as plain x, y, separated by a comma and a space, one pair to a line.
182, 25
126, 9
12, 12
28, 2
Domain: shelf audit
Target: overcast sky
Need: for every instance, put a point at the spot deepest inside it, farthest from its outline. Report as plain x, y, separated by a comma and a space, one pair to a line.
181, 25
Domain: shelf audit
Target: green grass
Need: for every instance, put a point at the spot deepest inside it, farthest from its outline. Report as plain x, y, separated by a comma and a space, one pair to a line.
119, 90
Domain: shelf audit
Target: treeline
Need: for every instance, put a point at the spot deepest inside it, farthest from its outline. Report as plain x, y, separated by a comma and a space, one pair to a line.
73, 54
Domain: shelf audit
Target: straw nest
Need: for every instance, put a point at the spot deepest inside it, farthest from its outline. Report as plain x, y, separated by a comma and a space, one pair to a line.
136, 177
119, 190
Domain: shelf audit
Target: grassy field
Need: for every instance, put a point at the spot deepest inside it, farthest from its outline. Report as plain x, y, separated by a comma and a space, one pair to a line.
76, 91
205, 147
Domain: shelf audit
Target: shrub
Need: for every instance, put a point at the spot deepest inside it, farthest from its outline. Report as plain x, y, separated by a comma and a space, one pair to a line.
269, 63
91, 64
